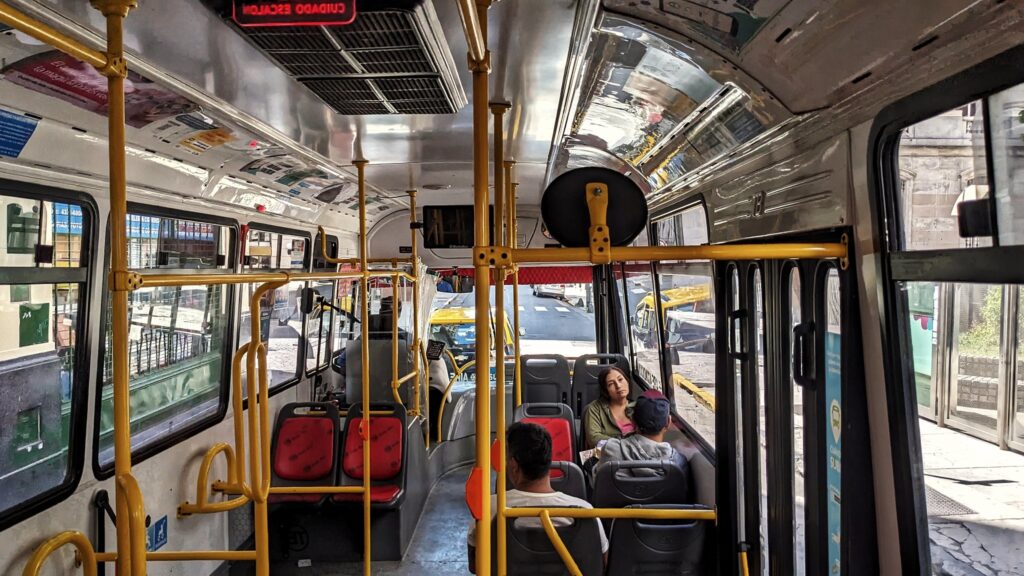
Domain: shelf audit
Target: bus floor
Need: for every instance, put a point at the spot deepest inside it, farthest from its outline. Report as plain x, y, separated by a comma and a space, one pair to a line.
438, 546
975, 497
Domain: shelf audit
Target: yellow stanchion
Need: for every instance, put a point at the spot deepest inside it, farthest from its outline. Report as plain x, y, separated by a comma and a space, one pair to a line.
498, 110
459, 371
556, 541
76, 539
364, 429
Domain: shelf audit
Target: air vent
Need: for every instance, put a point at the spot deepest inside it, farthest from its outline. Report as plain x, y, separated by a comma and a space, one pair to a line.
393, 59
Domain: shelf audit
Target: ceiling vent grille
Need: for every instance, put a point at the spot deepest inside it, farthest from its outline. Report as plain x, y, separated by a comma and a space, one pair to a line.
393, 59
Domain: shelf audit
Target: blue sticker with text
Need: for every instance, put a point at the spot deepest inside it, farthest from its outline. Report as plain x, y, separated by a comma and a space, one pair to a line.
15, 130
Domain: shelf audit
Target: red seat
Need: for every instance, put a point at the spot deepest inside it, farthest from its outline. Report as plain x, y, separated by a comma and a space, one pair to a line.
557, 419
387, 456
303, 451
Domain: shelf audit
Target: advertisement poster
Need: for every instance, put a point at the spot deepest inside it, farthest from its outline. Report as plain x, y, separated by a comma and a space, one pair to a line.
15, 130
67, 219
834, 447
55, 74
193, 133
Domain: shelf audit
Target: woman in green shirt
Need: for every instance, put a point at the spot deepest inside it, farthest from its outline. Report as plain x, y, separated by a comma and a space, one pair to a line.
609, 415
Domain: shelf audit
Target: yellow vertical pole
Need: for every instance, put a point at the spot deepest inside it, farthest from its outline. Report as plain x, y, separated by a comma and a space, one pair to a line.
416, 344
394, 339
510, 211
115, 11
481, 69
364, 430
498, 109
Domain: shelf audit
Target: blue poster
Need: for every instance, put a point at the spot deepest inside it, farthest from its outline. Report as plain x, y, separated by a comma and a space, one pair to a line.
834, 447
15, 130
67, 219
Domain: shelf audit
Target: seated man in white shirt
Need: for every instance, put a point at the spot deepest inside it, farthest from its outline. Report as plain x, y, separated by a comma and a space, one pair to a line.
651, 415
528, 463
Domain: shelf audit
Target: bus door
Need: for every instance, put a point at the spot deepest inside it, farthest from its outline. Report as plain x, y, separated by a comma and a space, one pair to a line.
790, 418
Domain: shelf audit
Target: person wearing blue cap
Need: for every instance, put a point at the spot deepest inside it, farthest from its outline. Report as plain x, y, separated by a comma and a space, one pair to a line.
652, 417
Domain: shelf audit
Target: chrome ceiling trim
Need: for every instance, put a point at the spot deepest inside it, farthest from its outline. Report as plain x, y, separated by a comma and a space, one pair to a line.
583, 28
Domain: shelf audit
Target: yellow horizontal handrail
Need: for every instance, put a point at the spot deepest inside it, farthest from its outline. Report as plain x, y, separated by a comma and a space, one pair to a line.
707, 252
47, 35
701, 395
556, 542
407, 377
316, 489
155, 280
633, 513
75, 538
459, 370
184, 555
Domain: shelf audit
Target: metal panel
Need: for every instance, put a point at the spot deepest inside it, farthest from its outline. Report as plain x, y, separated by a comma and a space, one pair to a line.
806, 191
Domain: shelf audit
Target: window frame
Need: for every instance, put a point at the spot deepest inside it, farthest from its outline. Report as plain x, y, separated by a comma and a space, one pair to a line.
104, 471
709, 451
895, 265
319, 264
300, 356
83, 343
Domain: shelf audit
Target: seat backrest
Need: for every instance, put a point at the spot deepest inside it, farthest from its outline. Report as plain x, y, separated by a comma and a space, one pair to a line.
658, 547
388, 446
545, 378
557, 419
569, 479
616, 487
380, 370
530, 552
303, 451
584, 376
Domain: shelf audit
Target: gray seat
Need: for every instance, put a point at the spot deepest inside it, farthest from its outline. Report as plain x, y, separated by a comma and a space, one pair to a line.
657, 547
529, 551
616, 487
380, 372
566, 478
584, 377
545, 378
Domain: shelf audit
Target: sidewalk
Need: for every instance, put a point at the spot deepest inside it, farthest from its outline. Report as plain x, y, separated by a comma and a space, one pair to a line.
975, 504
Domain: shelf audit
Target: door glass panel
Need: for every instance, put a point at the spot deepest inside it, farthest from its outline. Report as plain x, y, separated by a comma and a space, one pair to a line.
1017, 426
762, 430
737, 367
1007, 122
688, 308
978, 316
834, 419
797, 471
942, 163
923, 299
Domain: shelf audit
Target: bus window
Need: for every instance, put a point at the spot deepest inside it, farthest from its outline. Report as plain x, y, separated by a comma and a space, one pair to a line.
177, 337
281, 318
42, 367
688, 309
641, 306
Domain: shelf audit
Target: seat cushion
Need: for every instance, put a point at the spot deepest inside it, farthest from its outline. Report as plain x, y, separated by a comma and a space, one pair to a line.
379, 494
305, 449
385, 448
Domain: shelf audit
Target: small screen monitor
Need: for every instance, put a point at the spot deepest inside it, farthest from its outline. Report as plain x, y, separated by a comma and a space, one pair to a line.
449, 226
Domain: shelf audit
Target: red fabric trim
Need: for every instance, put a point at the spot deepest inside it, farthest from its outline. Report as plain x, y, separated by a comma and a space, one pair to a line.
386, 437
305, 449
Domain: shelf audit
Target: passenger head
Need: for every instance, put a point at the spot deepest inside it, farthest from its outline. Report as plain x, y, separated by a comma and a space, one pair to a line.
651, 413
613, 384
528, 452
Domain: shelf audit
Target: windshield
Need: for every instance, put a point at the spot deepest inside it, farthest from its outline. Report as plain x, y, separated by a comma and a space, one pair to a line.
454, 335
